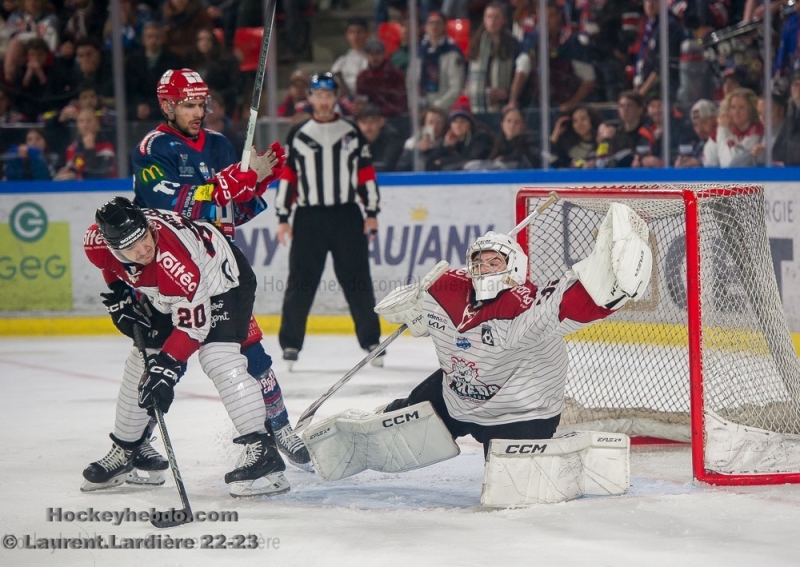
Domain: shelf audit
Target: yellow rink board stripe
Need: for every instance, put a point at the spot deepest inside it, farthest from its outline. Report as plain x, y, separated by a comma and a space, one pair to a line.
611, 331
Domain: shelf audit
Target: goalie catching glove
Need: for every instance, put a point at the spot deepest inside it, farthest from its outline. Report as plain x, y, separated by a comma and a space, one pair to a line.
158, 383
403, 306
620, 265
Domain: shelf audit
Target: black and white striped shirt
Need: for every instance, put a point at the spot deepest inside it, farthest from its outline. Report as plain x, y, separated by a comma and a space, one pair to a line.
328, 163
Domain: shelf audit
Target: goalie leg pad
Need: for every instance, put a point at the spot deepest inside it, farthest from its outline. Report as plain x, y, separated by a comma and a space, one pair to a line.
402, 440
544, 471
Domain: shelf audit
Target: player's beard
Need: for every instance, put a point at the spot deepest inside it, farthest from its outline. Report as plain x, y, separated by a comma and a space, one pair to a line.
185, 131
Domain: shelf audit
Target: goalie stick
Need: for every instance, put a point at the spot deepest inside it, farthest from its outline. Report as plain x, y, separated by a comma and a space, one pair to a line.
259, 84
173, 517
305, 419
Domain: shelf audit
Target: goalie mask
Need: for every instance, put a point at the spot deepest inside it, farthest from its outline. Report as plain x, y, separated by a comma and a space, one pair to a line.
495, 262
121, 223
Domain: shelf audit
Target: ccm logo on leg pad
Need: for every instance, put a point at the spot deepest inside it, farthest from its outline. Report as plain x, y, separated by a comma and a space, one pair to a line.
400, 419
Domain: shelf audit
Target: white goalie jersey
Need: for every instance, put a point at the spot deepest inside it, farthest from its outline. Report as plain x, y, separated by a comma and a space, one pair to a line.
507, 360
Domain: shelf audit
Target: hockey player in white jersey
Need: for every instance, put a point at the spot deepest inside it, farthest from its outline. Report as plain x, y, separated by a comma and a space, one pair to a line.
500, 343
191, 273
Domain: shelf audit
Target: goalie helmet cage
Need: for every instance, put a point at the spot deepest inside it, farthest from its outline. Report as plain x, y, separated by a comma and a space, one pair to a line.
705, 356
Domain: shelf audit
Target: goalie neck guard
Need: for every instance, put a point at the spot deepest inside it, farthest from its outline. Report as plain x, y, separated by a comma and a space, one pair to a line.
121, 223
490, 281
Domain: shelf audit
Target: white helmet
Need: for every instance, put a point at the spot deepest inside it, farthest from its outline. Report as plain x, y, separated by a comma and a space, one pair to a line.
513, 273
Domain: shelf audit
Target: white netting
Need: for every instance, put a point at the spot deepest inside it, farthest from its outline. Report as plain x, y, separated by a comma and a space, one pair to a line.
631, 372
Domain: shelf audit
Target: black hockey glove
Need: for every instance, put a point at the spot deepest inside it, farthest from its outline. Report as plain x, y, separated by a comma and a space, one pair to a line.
158, 383
124, 309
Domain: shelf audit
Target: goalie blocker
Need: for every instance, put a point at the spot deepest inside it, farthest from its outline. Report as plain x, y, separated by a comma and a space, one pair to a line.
544, 471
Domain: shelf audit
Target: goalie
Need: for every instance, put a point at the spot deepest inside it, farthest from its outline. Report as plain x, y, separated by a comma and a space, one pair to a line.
500, 343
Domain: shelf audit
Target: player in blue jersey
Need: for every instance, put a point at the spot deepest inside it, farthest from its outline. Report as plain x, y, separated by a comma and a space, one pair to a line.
183, 167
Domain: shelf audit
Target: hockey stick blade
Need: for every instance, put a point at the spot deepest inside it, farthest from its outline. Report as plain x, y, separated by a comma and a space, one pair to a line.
171, 518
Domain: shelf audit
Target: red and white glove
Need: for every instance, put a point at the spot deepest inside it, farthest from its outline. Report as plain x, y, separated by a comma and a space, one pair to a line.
233, 184
275, 156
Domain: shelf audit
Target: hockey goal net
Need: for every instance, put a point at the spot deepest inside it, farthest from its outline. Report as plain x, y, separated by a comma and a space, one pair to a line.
705, 356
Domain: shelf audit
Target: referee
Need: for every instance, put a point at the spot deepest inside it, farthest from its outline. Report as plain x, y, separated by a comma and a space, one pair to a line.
328, 168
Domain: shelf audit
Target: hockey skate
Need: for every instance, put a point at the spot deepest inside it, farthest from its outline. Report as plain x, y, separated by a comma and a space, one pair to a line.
259, 470
293, 448
112, 470
290, 356
149, 461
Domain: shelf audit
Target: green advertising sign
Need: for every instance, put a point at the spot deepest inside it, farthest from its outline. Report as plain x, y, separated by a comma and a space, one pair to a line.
35, 272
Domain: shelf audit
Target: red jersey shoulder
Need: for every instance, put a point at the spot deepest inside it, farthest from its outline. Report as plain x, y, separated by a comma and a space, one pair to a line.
177, 272
95, 247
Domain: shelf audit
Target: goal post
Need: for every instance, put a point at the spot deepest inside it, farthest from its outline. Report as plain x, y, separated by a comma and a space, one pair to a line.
706, 355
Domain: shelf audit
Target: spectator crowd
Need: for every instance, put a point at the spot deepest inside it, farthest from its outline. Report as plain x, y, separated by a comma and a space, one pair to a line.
478, 100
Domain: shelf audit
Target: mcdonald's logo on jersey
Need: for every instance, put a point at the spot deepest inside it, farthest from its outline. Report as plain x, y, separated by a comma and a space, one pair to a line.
152, 173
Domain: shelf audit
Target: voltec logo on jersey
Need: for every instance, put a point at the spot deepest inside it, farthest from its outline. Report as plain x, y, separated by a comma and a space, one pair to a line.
204, 171
486, 335
92, 239
176, 270
463, 342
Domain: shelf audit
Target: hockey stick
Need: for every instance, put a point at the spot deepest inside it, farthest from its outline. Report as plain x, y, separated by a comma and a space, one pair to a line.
305, 419
170, 518
259, 85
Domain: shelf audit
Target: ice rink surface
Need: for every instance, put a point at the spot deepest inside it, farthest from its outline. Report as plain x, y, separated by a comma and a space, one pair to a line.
57, 408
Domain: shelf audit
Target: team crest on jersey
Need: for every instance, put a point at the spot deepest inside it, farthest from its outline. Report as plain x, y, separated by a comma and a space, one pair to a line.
463, 381
486, 335
183, 169
346, 141
463, 342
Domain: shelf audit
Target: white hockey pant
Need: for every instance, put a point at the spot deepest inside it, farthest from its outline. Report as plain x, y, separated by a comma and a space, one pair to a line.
402, 440
240, 392
131, 420
523, 472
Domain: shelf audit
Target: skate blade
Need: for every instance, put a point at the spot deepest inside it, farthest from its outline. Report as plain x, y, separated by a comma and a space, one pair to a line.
269, 485
290, 364
89, 486
377, 362
155, 478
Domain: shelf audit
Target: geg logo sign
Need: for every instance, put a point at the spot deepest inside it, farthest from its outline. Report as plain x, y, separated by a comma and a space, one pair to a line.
28, 222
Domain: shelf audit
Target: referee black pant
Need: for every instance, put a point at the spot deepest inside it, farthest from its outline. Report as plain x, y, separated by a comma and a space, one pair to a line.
430, 390
318, 230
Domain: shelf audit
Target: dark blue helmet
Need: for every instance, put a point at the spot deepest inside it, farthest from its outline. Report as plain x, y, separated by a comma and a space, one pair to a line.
323, 81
